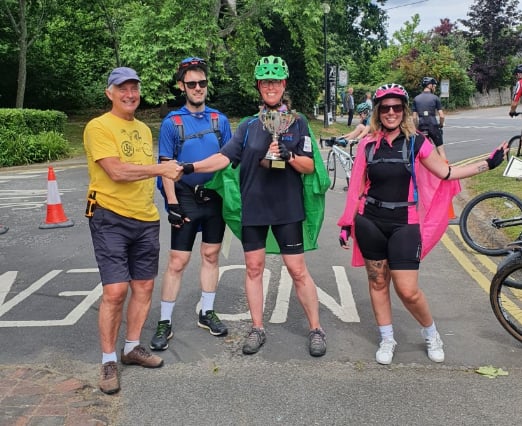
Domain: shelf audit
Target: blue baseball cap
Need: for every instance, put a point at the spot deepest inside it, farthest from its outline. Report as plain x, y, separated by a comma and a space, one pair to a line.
121, 75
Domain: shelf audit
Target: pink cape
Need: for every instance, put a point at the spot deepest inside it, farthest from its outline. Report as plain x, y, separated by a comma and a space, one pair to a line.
434, 199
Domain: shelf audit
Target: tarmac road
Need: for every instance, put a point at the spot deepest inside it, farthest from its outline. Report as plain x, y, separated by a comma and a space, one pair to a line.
48, 310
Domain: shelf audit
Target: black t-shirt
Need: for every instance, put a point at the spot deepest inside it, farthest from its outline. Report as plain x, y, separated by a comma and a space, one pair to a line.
426, 106
391, 182
268, 196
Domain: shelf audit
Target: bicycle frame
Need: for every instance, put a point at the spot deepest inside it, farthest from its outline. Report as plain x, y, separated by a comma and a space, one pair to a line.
345, 158
515, 143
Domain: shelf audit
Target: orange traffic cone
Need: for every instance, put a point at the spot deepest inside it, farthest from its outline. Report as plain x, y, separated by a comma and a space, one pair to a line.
453, 219
55, 215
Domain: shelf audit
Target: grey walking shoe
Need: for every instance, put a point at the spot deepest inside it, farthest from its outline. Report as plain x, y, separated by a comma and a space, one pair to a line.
255, 338
317, 342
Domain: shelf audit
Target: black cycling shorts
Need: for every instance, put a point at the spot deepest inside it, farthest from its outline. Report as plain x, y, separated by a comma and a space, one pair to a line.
400, 243
205, 217
434, 133
289, 237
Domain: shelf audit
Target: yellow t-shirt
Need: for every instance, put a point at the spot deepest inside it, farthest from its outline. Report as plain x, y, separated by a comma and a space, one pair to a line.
130, 141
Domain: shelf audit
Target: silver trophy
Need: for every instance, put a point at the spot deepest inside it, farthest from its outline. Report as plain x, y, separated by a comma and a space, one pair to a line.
277, 123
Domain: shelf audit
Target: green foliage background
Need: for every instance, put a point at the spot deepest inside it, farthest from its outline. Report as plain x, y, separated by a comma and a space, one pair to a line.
72, 45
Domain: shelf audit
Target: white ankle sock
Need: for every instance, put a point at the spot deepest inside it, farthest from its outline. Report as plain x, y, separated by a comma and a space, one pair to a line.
130, 345
430, 331
207, 301
166, 310
386, 331
109, 357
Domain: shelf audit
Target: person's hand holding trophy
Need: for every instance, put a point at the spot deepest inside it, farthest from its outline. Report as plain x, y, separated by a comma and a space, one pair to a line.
277, 123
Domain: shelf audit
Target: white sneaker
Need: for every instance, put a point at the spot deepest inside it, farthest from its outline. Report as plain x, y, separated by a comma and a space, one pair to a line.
434, 346
384, 354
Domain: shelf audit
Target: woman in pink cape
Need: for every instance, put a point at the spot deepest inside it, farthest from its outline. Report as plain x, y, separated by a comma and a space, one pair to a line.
397, 210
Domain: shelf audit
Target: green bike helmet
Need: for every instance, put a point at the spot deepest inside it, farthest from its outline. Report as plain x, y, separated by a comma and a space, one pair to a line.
271, 68
362, 108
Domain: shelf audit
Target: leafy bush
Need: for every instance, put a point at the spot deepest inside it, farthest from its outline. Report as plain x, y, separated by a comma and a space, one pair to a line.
17, 149
29, 121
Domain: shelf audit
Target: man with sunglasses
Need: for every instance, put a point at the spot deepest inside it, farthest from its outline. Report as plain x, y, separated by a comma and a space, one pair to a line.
192, 133
426, 107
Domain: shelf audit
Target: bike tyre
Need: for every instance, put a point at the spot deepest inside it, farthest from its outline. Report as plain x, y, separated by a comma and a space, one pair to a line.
476, 224
505, 296
515, 147
331, 166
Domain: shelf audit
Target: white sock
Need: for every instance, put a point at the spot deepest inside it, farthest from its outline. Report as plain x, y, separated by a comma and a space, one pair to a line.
430, 332
386, 332
109, 357
207, 301
130, 345
166, 310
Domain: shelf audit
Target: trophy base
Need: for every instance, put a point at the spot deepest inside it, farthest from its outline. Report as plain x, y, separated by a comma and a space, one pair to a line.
273, 163
277, 164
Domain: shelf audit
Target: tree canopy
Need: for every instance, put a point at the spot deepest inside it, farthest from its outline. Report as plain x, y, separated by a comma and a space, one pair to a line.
58, 54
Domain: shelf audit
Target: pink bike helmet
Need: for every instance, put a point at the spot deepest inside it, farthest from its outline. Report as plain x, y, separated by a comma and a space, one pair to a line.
391, 90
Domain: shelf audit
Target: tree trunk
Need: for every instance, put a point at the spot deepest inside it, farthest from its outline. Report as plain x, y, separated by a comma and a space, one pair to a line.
22, 56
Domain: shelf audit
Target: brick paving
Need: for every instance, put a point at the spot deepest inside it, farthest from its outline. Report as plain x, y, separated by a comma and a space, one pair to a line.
43, 397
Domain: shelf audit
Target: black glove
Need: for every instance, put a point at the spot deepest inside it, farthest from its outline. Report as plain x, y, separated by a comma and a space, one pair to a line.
283, 152
495, 158
176, 215
344, 235
512, 113
188, 168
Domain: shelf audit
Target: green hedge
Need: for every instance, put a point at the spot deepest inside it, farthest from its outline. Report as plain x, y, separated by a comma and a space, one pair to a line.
31, 136
32, 121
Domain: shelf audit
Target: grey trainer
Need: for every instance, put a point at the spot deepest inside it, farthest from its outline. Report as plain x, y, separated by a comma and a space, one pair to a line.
255, 338
317, 342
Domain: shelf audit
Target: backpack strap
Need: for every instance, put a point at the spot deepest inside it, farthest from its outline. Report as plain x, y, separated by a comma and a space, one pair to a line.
214, 117
408, 159
178, 122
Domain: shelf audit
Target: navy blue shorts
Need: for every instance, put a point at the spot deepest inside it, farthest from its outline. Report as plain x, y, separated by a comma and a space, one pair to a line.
289, 237
125, 249
399, 243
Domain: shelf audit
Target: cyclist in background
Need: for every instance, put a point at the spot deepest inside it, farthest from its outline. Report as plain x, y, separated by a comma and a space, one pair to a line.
426, 106
517, 91
362, 129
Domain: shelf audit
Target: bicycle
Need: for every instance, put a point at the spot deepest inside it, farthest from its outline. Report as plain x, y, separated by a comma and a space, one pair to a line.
338, 155
490, 221
505, 292
515, 143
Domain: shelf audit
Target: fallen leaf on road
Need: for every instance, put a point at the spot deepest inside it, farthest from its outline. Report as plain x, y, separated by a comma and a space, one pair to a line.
491, 372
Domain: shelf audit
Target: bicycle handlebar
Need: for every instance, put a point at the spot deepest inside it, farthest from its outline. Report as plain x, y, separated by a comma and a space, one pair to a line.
339, 141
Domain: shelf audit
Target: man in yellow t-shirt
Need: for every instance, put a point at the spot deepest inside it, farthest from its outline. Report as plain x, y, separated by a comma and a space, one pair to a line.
124, 221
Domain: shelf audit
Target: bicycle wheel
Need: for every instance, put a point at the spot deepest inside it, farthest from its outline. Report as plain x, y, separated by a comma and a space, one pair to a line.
515, 147
331, 166
490, 221
505, 296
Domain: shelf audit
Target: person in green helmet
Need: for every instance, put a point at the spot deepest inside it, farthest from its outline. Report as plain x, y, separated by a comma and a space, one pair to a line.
362, 129
272, 199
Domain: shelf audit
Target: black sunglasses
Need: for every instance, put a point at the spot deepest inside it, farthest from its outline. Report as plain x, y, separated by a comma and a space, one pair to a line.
383, 109
193, 84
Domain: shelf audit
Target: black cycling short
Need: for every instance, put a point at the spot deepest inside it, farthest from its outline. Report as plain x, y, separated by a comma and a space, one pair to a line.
205, 217
289, 237
400, 243
434, 133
